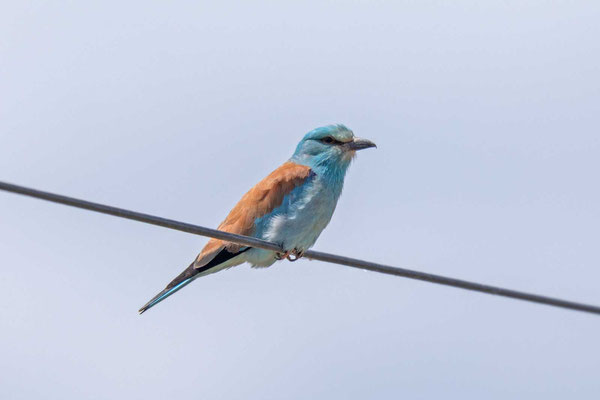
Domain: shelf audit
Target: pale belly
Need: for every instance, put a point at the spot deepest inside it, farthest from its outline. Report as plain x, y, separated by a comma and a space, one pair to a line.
300, 227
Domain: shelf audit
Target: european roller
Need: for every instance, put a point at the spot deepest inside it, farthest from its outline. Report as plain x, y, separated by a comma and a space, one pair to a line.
290, 207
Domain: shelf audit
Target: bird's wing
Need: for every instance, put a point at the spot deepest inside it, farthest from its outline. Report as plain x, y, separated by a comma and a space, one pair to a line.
263, 198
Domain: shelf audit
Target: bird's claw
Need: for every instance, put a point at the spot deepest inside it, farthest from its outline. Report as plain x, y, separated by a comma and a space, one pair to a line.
291, 255
294, 255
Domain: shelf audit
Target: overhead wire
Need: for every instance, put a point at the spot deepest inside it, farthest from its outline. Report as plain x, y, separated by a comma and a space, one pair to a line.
310, 254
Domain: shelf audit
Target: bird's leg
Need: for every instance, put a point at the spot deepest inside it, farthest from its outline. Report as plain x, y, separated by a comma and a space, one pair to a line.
281, 256
296, 255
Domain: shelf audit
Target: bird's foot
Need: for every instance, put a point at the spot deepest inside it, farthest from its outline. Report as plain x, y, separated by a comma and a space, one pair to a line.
290, 255
294, 255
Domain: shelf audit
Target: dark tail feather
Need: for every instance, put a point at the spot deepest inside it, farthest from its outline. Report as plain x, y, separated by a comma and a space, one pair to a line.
182, 280
187, 276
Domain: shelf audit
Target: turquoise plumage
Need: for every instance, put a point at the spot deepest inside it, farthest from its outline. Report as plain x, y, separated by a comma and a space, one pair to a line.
290, 207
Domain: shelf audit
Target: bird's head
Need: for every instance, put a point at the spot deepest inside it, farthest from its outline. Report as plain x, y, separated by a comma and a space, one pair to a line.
331, 146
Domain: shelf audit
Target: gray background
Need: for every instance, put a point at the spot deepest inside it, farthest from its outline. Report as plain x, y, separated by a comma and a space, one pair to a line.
487, 118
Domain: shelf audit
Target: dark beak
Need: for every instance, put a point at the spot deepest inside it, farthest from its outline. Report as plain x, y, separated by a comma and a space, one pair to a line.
360, 144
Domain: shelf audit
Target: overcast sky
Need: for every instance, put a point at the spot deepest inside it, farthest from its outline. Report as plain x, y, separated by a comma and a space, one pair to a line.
487, 120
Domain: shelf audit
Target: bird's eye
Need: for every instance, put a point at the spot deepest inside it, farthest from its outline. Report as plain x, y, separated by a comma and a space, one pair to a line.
328, 140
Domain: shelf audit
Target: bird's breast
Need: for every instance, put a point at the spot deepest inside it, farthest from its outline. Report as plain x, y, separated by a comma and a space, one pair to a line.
306, 214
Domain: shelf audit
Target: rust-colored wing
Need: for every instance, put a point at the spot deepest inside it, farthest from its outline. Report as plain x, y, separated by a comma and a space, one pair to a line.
263, 198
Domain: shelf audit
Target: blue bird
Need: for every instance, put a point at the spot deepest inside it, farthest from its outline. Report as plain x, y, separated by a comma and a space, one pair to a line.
291, 207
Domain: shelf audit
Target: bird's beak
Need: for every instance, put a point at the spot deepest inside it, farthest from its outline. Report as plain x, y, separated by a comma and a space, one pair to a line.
360, 144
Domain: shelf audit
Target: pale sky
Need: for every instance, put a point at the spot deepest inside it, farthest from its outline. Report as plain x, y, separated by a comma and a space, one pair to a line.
487, 120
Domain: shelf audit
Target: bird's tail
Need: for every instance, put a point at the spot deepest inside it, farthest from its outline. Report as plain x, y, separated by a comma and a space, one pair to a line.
191, 273
182, 280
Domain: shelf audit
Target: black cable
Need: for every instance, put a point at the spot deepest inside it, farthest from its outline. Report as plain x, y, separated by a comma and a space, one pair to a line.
315, 255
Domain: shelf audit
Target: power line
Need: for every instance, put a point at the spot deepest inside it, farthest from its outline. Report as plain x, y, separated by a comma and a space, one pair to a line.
314, 255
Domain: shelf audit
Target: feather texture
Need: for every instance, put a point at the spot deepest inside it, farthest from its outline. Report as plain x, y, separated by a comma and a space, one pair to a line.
290, 207
259, 201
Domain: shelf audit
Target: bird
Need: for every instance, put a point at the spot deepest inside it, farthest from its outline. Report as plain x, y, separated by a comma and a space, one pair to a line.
290, 207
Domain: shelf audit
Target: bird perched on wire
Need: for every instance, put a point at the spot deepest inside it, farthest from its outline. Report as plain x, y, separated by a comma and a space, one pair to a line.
290, 207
